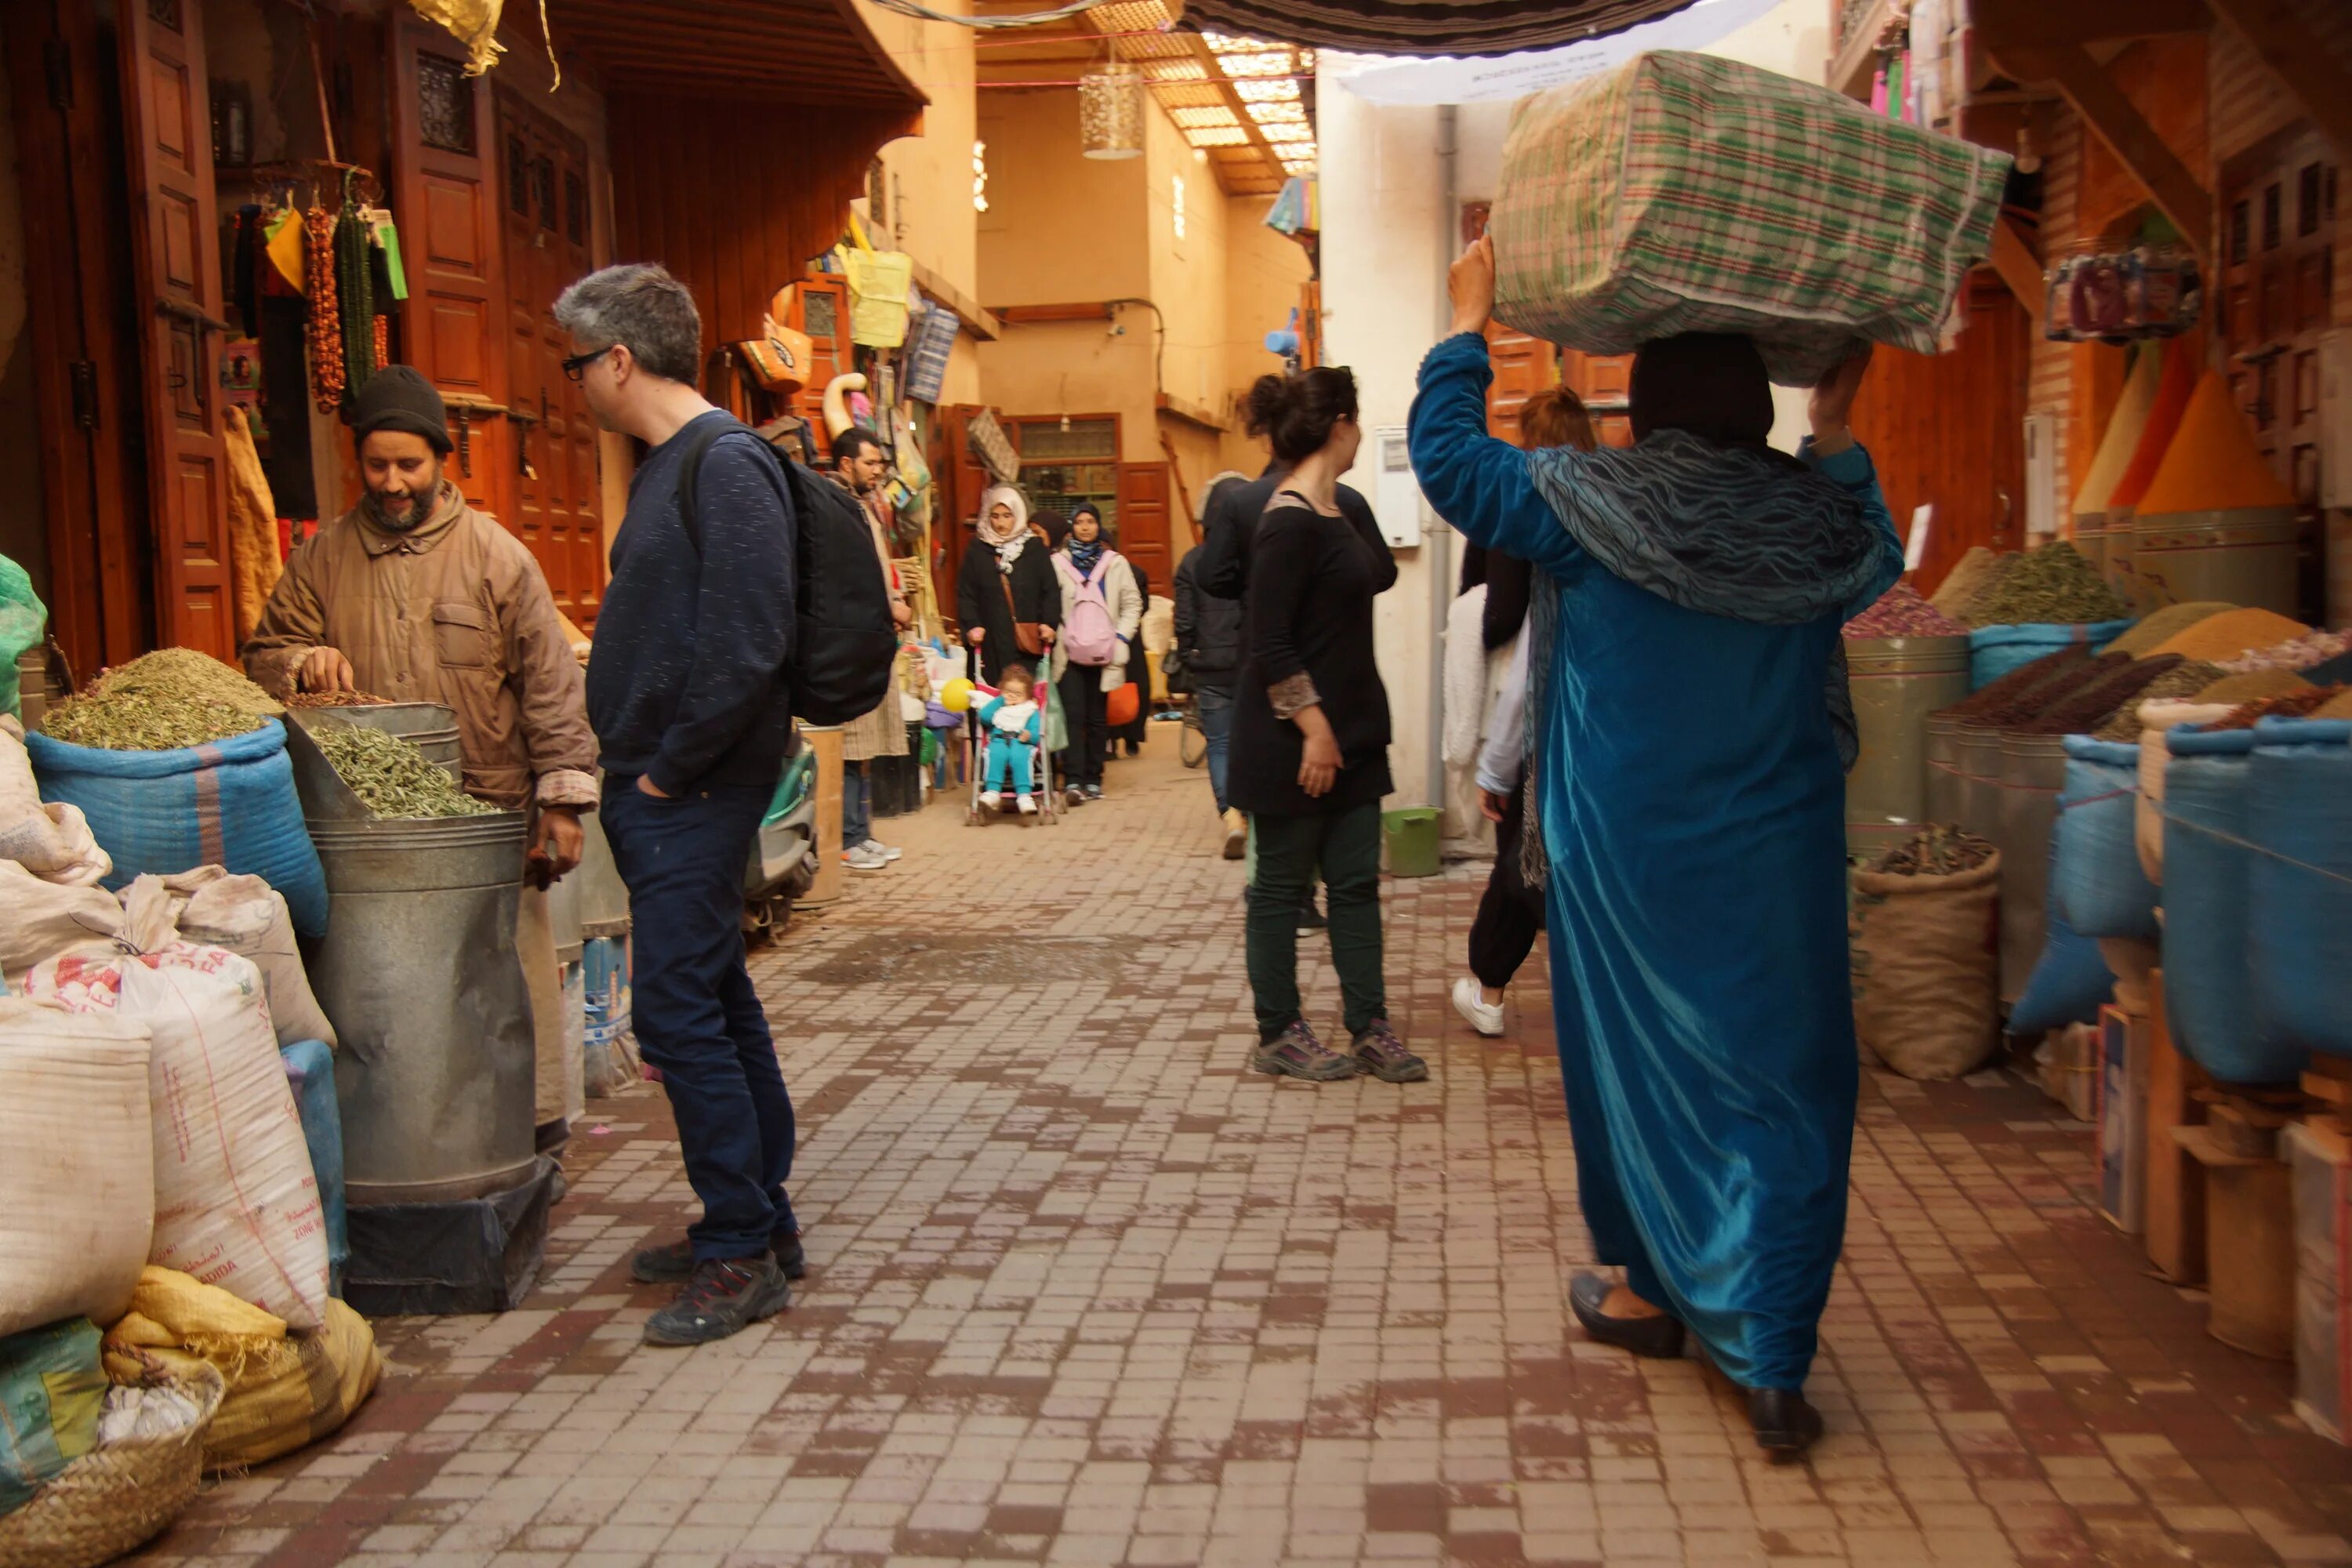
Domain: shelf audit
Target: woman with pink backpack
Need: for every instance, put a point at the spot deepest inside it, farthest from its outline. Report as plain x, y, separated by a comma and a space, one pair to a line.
1100, 613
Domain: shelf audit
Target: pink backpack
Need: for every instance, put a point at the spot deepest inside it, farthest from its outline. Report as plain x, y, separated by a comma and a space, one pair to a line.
1092, 636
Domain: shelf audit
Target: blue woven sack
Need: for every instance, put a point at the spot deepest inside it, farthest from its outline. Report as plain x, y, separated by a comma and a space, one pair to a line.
310, 1073
2070, 981
2209, 991
231, 804
2299, 914
2095, 880
1994, 652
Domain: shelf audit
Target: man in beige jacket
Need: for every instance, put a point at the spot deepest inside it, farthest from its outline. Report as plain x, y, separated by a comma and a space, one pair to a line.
414, 596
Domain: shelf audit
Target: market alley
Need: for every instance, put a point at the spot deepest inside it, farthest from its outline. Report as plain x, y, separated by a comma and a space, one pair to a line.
1084, 1290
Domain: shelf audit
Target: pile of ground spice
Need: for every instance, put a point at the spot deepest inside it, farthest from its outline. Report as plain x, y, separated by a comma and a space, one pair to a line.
2052, 585
2167, 622
2184, 680
2297, 653
2336, 708
2018, 681
2230, 634
2291, 705
1967, 579
2081, 709
2031, 704
1935, 850
161, 701
2252, 686
1900, 612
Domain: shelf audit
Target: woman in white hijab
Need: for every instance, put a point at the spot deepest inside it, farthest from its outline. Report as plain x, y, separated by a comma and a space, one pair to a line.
1006, 599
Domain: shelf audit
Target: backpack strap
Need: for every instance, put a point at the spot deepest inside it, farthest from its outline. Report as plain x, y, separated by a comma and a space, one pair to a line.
690, 473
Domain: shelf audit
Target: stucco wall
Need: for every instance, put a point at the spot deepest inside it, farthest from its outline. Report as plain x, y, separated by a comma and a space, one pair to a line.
927, 178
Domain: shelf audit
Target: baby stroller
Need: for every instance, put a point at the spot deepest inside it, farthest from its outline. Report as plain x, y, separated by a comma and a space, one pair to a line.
976, 759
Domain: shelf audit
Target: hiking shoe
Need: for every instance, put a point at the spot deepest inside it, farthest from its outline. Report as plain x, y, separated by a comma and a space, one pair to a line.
1385, 1057
1310, 919
725, 1297
887, 851
1028, 804
1470, 1001
1297, 1052
674, 1264
864, 857
1236, 834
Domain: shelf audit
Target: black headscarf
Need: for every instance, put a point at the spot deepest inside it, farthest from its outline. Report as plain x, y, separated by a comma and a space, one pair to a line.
1709, 384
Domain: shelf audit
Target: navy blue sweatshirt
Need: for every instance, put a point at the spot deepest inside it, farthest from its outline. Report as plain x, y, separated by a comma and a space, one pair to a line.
688, 682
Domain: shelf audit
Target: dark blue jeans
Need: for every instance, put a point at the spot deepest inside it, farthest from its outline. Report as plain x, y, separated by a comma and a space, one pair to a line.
1217, 707
857, 804
696, 1017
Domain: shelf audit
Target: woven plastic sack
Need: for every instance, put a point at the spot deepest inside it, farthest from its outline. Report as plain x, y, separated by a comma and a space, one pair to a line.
1684, 193
1927, 969
248, 917
51, 1386
2299, 903
76, 1212
2148, 817
2209, 991
229, 804
310, 1074
235, 1203
40, 921
54, 841
2096, 883
23, 621
1994, 652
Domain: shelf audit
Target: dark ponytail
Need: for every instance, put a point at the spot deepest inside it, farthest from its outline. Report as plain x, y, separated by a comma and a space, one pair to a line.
1295, 413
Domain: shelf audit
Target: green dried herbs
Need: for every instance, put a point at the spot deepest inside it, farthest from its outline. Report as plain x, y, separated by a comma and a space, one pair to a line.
1935, 850
2052, 584
2185, 679
161, 701
391, 775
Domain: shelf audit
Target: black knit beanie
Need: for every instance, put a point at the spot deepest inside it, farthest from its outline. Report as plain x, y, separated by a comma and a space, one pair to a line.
397, 398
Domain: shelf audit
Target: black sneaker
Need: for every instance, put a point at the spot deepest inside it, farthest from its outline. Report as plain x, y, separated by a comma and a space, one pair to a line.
725, 1297
674, 1264
1310, 919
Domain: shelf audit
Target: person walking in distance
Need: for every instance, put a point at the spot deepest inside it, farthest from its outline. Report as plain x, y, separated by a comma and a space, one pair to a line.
859, 468
1099, 617
689, 694
1311, 735
1209, 644
1510, 912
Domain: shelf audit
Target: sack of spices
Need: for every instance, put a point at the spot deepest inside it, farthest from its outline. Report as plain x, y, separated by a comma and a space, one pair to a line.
1926, 954
228, 803
2209, 997
1687, 193
2070, 981
2299, 905
2097, 881
2155, 719
248, 917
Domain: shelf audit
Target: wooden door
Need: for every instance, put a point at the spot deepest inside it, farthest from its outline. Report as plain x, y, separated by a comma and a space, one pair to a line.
1522, 367
1605, 382
452, 325
543, 213
1143, 491
2278, 263
176, 291
1949, 430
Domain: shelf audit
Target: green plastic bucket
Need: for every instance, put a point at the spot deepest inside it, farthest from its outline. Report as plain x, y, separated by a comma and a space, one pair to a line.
1412, 838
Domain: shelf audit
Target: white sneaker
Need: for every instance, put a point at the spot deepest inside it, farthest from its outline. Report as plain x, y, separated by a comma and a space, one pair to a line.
990, 800
1028, 804
888, 852
864, 857
1469, 1000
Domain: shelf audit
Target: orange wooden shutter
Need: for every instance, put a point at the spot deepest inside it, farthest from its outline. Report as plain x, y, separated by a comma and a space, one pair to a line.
1143, 521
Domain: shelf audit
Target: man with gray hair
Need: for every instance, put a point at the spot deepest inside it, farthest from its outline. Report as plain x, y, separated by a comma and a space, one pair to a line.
689, 692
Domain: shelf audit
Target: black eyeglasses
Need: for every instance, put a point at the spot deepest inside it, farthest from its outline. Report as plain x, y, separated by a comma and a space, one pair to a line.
576, 367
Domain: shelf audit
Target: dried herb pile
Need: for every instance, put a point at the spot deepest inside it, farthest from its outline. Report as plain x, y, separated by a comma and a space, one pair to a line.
2082, 710
2052, 585
392, 776
2184, 680
161, 701
1935, 850
1969, 577
336, 699
1900, 612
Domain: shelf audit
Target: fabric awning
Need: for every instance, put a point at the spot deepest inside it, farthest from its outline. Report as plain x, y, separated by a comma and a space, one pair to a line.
1427, 27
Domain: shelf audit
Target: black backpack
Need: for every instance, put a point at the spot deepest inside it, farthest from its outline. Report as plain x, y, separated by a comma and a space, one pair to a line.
844, 644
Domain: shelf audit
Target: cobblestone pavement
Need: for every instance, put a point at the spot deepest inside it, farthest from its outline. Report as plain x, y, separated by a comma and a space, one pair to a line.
1085, 1290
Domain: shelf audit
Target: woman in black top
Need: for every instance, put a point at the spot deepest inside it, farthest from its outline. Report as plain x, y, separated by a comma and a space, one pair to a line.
1005, 580
1310, 731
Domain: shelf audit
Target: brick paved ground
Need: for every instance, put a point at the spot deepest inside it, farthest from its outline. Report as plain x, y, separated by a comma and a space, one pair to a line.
1084, 1291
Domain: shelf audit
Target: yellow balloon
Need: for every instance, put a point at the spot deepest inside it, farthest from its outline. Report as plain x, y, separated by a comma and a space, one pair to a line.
956, 695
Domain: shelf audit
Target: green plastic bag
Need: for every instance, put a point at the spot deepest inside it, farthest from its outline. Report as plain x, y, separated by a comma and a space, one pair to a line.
23, 621
51, 1386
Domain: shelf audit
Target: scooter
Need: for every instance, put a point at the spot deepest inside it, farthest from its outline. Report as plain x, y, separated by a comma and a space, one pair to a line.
782, 864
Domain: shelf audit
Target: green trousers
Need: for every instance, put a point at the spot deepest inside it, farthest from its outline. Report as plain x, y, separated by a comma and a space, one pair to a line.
1345, 848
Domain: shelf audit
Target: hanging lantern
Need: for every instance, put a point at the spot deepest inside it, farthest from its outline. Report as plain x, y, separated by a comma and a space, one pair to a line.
1110, 112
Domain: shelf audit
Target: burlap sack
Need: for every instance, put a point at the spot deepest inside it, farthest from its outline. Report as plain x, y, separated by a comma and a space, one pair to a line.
1926, 956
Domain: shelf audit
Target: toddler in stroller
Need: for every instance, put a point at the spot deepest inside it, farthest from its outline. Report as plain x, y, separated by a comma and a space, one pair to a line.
1015, 726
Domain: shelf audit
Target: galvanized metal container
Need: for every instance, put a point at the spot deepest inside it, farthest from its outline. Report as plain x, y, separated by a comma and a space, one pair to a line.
418, 973
1896, 682
2244, 556
1980, 798
1943, 747
2034, 773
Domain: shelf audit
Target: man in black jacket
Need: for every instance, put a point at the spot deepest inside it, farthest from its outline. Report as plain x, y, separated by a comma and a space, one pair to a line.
690, 698
1209, 640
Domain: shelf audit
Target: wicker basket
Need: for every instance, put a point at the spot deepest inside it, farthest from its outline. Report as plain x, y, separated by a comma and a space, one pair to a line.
114, 1498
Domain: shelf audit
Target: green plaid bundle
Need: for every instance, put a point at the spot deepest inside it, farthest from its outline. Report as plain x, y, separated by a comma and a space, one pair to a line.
1684, 192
